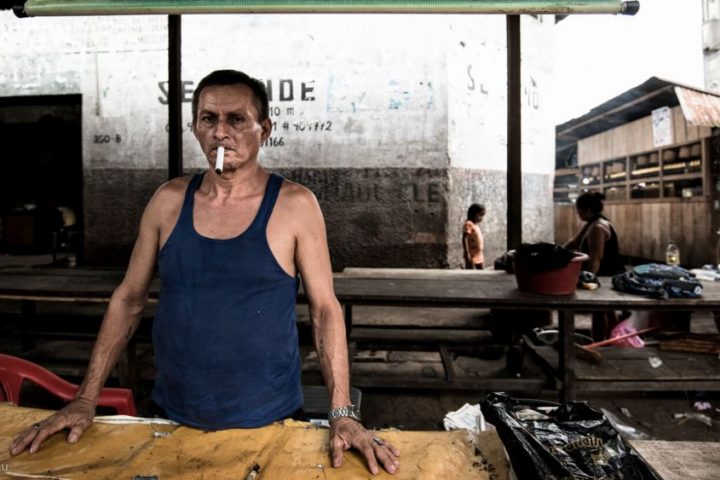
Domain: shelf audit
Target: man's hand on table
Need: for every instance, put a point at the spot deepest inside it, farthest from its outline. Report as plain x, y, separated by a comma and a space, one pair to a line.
346, 433
77, 416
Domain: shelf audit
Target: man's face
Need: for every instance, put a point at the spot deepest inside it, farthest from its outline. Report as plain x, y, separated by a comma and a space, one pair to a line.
479, 216
227, 117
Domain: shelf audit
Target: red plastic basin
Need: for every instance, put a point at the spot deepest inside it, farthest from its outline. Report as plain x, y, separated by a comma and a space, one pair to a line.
559, 281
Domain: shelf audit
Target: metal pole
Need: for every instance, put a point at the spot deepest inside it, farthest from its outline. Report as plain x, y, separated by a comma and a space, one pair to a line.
176, 7
175, 128
514, 135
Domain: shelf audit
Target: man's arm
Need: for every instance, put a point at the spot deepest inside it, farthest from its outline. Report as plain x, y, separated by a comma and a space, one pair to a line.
313, 262
119, 324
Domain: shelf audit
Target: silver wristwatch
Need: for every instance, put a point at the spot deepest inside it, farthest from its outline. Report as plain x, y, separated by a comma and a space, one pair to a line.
350, 411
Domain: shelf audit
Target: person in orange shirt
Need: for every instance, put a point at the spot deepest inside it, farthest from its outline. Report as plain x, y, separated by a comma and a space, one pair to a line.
472, 238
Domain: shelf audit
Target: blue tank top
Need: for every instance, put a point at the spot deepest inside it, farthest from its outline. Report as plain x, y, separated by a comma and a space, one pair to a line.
224, 334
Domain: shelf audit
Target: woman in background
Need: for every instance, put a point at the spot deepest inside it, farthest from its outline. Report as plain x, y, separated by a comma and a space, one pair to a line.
599, 241
597, 238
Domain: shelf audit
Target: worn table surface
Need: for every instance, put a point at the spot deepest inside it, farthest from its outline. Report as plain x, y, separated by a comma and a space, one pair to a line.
497, 289
289, 450
418, 287
681, 460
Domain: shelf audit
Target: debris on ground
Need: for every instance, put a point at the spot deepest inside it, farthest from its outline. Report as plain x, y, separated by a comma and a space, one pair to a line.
468, 417
702, 406
700, 417
626, 431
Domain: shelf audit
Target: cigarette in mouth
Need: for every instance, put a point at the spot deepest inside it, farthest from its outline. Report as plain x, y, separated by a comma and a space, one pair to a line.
219, 160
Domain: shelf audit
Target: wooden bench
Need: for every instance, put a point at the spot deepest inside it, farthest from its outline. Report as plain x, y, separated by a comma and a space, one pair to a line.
416, 288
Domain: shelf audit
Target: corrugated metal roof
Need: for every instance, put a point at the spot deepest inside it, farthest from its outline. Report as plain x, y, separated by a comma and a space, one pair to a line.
635, 103
700, 109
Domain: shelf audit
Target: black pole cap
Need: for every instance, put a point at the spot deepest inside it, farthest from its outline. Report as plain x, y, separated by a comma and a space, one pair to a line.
630, 8
17, 6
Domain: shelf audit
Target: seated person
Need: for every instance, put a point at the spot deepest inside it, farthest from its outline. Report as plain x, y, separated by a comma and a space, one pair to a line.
599, 241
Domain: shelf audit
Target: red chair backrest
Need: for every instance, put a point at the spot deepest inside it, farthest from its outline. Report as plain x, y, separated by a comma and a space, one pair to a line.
14, 370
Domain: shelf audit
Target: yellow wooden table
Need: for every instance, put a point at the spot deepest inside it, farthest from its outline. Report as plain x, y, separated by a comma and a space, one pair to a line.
288, 450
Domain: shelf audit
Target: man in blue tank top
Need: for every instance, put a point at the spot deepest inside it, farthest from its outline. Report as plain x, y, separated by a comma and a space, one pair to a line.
230, 245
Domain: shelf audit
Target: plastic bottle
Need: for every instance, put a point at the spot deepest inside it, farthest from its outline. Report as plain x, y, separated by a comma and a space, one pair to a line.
672, 254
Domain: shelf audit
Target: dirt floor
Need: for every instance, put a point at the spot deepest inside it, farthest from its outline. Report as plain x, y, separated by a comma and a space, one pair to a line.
655, 415
650, 414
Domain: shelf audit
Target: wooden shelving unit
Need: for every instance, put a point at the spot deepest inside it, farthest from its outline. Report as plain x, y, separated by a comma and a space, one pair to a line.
654, 152
673, 171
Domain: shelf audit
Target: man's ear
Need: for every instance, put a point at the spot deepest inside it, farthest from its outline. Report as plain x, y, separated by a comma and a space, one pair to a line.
266, 126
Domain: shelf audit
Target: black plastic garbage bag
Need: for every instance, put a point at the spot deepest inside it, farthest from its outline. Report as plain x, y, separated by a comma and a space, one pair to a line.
569, 441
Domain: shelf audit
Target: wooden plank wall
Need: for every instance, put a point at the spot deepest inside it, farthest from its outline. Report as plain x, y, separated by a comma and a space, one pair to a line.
645, 228
634, 137
567, 222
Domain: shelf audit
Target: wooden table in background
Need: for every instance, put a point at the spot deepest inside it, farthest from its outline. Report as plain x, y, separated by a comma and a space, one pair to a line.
412, 288
492, 289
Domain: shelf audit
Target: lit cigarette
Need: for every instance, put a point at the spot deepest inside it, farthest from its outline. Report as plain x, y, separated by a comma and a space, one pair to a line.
219, 160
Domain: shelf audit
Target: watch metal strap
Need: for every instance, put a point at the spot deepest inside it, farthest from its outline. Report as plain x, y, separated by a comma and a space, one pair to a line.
351, 411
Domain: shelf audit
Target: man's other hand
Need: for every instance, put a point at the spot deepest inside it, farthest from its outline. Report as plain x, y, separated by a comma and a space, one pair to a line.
77, 417
346, 433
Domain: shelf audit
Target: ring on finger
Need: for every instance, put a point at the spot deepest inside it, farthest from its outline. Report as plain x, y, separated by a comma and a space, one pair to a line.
378, 441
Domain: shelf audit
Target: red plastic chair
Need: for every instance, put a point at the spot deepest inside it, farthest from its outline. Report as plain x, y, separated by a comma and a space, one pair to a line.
14, 370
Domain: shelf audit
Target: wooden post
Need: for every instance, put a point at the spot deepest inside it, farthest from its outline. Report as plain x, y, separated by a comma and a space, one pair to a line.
175, 129
514, 135
566, 354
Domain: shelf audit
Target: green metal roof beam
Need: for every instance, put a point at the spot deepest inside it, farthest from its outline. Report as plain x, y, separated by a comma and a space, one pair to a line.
38, 8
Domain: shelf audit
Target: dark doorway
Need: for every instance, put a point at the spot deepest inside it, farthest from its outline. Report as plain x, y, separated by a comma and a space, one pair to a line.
42, 176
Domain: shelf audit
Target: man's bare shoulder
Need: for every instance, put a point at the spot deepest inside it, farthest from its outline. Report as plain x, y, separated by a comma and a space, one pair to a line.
171, 190
296, 197
175, 187
297, 208
168, 198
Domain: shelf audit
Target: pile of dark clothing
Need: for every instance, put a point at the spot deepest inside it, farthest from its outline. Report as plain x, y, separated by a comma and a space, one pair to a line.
657, 280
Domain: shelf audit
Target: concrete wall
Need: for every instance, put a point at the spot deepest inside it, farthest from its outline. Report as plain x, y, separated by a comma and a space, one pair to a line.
711, 44
396, 122
477, 63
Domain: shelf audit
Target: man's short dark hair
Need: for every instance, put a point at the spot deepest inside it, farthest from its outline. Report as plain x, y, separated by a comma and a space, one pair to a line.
233, 77
474, 209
